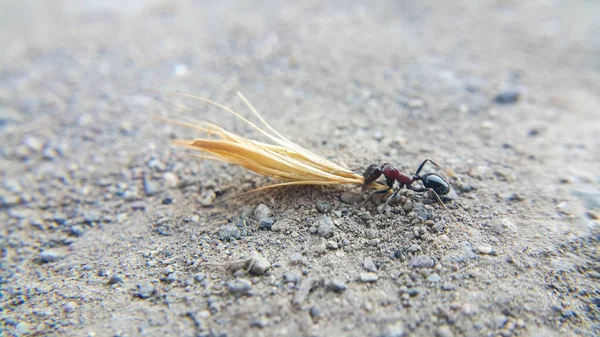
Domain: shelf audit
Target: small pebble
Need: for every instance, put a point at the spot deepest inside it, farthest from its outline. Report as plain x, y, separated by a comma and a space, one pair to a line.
229, 233
168, 270
395, 330
464, 187
444, 331
315, 313
91, 217
484, 249
199, 277
320, 246
448, 286
115, 279
239, 287
261, 211
365, 216
325, 227
435, 277
207, 198
260, 322
414, 248
77, 230
332, 245
499, 321
13, 186
150, 187
266, 223
412, 292
507, 97
281, 225
171, 278
48, 256
33, 143
70, 307
438, 227
296, 258
49, 153
421, 261
336, 285
371, 233
368, 277
259, 264
369, 265
22, 328
292, 276
145, 290
323, 206
515, 197
171, 179
593, 215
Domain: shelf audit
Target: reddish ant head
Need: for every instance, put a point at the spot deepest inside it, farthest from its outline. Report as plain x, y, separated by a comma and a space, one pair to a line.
436, 183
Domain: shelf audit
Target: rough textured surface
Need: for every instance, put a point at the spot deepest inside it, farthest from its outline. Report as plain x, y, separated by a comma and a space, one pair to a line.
107, 229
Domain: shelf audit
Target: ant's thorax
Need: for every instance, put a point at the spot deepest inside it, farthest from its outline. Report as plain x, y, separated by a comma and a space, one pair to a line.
391, 173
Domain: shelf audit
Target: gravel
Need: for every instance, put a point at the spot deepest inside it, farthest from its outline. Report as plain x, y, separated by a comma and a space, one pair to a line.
336, 285
239, 287
261, 211
115, 279
507, 97
421, 261
258, 264
77, 230
282, 225
292, 276
325, 227
229, 233
199, 277
151, 187
323, 206
49, 256
145, 290
486, 250
435, 278
266, 223
394, 330
368, 277
444, 331
369, 265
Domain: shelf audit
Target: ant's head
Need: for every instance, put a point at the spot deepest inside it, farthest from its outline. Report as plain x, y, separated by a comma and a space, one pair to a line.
436, 183
372, 173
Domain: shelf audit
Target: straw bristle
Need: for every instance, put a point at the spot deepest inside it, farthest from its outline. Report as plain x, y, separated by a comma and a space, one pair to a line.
285, 161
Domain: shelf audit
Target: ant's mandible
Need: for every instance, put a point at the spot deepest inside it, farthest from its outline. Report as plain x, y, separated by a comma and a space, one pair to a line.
431, 181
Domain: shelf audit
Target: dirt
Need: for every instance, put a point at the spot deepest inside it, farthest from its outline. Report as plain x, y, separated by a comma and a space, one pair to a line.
109, 230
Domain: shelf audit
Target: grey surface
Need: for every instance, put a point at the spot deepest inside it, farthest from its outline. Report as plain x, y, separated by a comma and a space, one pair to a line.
92, 245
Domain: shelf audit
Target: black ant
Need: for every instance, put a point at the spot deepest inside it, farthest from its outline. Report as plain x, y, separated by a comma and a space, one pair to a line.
431, 181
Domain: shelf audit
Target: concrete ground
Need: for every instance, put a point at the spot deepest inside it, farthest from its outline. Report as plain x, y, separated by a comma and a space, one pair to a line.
109, 230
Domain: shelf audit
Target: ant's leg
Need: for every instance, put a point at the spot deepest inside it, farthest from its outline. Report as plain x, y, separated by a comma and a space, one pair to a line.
421, 189
423, 164
390, 184
395, 193
382, 191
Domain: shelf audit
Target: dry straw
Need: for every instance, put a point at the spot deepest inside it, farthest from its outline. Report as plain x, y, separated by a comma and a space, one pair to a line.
282, 160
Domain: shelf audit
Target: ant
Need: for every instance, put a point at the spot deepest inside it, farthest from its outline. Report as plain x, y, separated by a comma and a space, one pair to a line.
431, 181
